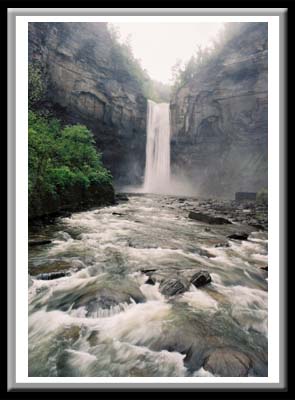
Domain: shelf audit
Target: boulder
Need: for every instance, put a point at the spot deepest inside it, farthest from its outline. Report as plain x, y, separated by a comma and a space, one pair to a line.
239, 236
151, 281
227, 362
201, 278
52, 275
208, 219
173, 286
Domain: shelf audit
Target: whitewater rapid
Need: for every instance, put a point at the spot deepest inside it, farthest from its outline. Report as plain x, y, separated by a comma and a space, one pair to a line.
105, 320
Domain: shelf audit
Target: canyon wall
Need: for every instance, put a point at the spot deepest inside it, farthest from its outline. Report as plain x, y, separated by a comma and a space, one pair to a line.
88, 82
219, 119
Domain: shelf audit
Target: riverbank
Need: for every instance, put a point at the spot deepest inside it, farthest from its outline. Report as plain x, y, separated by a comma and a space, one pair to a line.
49, 207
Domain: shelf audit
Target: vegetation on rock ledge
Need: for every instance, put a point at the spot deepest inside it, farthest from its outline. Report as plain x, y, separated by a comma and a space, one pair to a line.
61, 159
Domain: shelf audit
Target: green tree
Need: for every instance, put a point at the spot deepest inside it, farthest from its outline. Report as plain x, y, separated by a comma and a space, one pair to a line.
61, 157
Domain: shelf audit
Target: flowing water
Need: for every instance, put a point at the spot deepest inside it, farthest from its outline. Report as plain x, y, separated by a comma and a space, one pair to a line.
103, 319
157, 169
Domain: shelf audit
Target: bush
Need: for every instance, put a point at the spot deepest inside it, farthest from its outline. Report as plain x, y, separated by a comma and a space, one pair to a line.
61, 158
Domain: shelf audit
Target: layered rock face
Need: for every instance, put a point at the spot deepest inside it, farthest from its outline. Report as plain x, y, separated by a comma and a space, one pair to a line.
87, 82
219, 119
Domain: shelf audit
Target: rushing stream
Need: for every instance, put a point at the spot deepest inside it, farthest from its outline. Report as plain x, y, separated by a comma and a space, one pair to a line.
103, 319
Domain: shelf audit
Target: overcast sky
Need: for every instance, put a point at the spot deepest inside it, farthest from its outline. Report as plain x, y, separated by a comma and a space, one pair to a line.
159, 45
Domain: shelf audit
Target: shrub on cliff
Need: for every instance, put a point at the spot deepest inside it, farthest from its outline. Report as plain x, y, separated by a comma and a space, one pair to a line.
61, 159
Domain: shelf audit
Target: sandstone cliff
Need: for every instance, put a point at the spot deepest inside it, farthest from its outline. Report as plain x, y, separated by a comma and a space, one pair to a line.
87, 82
219, 119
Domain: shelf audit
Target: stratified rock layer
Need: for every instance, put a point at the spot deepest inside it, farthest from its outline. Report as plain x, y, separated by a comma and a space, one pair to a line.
219, 118
89, 82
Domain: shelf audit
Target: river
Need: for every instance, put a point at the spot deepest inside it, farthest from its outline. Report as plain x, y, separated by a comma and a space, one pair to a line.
103, 318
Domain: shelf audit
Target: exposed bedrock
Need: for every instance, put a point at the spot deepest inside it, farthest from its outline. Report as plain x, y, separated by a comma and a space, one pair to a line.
88, 82
219, 119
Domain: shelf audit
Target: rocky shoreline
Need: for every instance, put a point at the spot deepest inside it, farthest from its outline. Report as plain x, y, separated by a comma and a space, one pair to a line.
251, 213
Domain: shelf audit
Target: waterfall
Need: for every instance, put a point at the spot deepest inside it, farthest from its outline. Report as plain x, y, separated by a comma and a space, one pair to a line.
157, 167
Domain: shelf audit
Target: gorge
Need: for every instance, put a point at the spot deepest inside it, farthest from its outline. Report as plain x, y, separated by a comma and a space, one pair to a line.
147, 266
218, 116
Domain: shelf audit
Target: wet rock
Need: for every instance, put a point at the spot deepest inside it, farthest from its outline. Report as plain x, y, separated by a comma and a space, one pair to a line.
117, 213
92, 339
208, 219
54, 267
222, 245
148, 270
201, 278
71, 333
173, 286
227, 362
205, 253
121, 197
239, 236
39, 242
151, 281
105, 301
51, 275
264, 268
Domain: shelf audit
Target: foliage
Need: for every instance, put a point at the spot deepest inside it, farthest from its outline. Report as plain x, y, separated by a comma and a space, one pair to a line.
61, 157
36, 83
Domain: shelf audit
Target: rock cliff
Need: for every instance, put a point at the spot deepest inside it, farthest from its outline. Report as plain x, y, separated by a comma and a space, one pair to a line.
87, 82
219, 118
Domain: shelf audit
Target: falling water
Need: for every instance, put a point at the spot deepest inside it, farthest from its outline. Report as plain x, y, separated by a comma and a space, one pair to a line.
157, 169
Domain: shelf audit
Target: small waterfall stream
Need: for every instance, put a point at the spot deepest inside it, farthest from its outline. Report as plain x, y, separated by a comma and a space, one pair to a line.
157, 169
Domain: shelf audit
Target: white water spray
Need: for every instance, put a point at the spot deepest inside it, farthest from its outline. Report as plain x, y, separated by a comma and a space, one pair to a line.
157, 168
